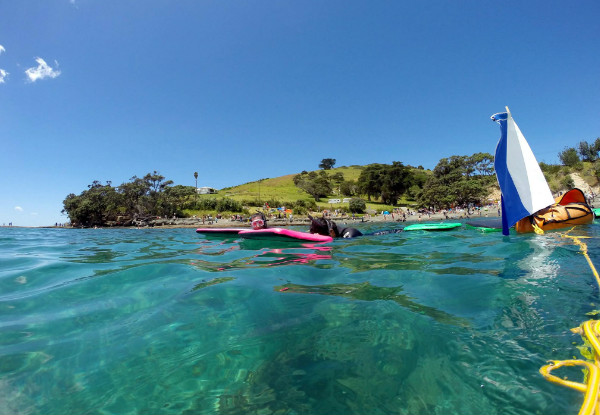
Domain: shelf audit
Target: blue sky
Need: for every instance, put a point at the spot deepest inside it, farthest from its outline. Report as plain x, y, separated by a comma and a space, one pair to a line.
242, 90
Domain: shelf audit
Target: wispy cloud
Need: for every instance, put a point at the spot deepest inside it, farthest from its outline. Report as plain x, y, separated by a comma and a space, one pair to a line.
3, 73
18, 208
43, 70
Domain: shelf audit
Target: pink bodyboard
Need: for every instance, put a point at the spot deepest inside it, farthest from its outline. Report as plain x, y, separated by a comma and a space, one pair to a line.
220, 231
282, 233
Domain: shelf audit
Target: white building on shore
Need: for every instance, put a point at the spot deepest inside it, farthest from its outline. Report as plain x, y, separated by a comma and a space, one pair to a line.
206, 190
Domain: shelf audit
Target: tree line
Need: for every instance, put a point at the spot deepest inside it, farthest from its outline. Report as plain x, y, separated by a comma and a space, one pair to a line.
140, 198
455, 181
585, 151
458, 180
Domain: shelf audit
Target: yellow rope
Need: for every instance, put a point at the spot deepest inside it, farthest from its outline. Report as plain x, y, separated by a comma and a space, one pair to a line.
590, 330
584, 250
537, 229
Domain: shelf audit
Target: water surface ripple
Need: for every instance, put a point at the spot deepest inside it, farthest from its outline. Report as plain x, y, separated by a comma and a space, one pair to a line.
135, 321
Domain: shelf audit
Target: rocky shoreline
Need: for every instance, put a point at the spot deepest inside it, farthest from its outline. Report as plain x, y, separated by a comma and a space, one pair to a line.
170, 223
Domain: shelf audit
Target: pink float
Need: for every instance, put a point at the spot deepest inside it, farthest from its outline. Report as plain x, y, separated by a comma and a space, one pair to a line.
283, 234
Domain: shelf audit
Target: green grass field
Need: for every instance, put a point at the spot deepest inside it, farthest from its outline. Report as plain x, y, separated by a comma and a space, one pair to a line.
284, 190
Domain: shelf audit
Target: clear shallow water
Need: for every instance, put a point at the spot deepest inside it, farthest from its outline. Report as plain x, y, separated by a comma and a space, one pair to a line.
165, 321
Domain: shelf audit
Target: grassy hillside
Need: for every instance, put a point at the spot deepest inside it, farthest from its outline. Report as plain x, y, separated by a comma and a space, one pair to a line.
281, 188
560, 178
284, 190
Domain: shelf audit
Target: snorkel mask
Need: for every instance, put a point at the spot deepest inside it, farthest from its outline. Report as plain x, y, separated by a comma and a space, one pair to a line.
258, 221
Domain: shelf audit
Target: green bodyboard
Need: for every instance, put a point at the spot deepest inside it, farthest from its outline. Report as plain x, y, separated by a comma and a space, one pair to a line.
433, 226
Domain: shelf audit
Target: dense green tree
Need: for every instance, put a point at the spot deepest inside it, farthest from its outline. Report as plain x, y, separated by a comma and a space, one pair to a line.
179, 197
569, 157
93, 206
596, 146
482, 164
587, 151
348, 188
135, 196
370, 180
396, 180
458, 180
337, 177
327, 164
316, 185
158, 204
151, 195
385, 181
414, 191
357, 205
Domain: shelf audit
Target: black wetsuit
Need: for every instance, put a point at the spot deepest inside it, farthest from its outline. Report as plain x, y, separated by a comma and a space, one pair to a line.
349, 232
353, 232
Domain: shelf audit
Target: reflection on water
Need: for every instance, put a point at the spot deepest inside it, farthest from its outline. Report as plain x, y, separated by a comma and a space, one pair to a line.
268, 257
167, 321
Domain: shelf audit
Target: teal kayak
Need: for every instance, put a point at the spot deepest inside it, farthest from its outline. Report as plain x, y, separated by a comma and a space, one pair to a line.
433, 226
596, 212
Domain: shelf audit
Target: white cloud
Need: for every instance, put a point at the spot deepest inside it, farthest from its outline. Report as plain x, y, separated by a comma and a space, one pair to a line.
3, 73
18, 208
42, 71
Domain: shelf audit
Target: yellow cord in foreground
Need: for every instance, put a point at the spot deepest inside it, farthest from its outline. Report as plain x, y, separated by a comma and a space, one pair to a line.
590, 405
590, 330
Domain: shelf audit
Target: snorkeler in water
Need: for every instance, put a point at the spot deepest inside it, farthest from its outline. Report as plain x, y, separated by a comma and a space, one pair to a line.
324, 226
258, 221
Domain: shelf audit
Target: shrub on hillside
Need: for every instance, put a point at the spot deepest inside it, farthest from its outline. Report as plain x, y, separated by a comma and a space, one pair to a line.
357, 205
302, 207
567, 182
228, 205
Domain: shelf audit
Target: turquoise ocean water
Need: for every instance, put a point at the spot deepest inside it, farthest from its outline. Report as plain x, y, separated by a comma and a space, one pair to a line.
135, 321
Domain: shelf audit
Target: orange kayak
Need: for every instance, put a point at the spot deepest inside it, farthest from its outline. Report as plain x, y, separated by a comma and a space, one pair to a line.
568, 210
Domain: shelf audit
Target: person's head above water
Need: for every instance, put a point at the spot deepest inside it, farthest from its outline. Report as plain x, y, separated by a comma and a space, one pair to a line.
259, 221
328, 227
323, 226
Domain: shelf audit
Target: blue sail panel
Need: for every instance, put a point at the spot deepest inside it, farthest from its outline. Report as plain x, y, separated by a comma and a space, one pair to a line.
522, 183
